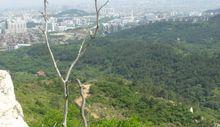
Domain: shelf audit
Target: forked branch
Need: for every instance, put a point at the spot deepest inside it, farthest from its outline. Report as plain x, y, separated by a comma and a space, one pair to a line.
98, 10
81, 51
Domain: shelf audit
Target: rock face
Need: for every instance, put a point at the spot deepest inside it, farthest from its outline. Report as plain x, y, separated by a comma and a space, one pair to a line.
11, 114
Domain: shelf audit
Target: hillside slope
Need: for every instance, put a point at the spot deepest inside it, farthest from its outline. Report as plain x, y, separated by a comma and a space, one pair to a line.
150, 75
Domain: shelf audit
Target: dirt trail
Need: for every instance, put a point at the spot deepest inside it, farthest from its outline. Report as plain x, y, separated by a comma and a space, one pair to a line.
78, 100
86, 89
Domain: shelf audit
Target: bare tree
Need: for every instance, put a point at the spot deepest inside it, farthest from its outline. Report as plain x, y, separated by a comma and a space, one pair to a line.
82, 49
85, 121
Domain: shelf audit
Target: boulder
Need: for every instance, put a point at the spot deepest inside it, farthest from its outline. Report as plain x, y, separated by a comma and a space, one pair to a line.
11, 114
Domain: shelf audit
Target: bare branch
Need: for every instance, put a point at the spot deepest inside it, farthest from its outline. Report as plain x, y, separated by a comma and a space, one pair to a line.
83, 103
97, 17
41, 29
75, 61
45, 32
81, 51
103, 6
66, 104
44, 14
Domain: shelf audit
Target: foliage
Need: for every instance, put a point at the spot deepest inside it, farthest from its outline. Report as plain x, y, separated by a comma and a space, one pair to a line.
154, 72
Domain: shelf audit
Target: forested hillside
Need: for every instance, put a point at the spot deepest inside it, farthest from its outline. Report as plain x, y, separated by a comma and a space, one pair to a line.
146, 76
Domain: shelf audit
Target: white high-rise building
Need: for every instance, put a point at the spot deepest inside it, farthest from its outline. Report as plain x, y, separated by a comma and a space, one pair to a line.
52, 25
15, 26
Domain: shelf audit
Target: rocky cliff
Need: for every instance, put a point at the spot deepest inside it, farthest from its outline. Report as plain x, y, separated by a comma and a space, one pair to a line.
11, 114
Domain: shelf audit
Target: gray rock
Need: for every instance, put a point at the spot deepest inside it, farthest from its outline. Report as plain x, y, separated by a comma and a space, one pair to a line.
11, 114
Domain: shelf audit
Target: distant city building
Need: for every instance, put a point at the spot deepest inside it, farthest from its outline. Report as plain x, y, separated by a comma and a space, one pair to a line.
111, 27
15, 26
2, 25
21, 45
12, 47
109, 12
52, 25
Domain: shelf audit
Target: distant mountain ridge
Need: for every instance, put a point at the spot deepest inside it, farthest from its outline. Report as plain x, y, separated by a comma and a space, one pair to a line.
72, 13
215, 11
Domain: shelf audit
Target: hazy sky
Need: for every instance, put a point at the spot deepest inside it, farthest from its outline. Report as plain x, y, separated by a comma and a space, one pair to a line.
29, 3
38, 3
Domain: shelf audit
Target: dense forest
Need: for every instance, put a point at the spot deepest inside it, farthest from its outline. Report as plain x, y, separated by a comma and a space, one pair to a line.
147, 76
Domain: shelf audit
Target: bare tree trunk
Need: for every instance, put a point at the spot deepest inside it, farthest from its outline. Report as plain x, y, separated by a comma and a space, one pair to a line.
80, 53
45, 15
66, 103
85, 121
